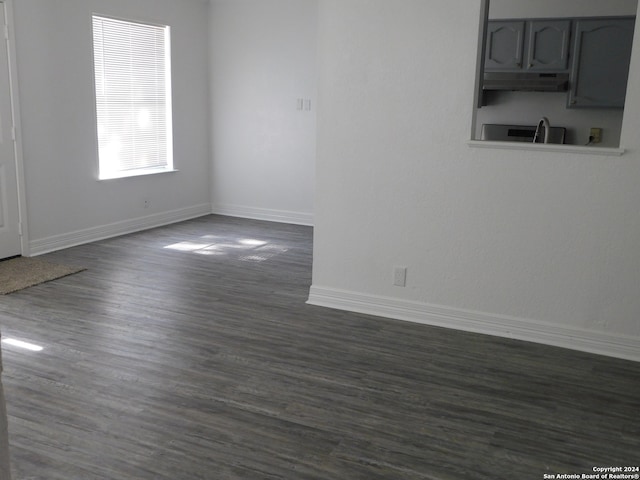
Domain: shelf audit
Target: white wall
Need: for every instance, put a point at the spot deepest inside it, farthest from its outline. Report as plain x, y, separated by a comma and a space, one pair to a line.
536, 245
66, 204
263, 60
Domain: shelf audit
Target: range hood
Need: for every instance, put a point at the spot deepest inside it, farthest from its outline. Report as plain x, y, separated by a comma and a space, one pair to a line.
526, 82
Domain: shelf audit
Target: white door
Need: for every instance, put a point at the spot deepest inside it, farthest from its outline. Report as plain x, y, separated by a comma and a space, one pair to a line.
10, 241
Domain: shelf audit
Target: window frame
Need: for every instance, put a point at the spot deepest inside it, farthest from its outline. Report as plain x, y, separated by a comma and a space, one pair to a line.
116, 173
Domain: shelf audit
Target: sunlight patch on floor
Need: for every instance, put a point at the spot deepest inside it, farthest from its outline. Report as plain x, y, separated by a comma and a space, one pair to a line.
32, 347
252, 250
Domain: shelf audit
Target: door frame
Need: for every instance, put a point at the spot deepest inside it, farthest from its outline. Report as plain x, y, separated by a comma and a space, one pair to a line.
15, 113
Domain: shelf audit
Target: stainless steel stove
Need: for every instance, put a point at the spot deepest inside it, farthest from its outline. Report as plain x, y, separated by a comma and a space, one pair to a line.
520, 133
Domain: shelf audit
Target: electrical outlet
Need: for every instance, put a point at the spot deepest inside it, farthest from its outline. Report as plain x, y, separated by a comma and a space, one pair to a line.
595, 135
146, 203
400, 276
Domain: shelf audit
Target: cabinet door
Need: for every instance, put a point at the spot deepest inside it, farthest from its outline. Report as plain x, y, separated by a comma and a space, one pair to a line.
505, 42
548, 45
602, 52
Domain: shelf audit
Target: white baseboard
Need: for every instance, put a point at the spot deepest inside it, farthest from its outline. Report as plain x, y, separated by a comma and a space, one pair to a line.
72, 239
626, 347
279, 216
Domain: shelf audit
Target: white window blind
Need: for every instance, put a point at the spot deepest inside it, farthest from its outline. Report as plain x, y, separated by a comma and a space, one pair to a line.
133, 97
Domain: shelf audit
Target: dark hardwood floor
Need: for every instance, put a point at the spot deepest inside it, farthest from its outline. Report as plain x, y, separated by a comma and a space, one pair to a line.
188, 352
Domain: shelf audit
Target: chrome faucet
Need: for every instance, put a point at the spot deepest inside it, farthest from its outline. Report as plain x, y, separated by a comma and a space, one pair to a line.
543, 123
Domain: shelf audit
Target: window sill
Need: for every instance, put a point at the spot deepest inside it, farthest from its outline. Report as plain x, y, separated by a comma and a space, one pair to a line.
138, 173
539, 147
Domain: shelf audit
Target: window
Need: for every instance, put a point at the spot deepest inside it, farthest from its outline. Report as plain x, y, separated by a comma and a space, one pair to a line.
593, 99
133, 97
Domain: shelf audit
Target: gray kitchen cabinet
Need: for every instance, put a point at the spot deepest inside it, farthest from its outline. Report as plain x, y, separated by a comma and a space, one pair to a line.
505, 45
535, 45
600, 67
548, 45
